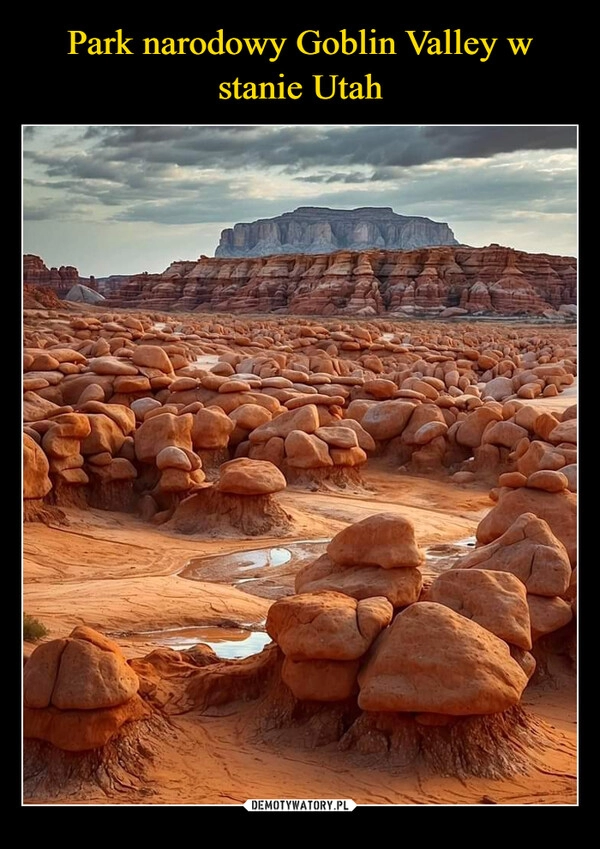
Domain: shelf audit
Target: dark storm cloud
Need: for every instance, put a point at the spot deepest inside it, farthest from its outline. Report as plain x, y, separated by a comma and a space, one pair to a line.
295, 148
300, 147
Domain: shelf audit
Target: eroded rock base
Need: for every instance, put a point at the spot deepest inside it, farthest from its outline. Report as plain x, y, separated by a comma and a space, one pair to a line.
219, 514
121, 766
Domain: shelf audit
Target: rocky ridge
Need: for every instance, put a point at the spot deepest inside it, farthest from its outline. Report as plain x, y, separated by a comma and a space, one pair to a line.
439, 281
37, 273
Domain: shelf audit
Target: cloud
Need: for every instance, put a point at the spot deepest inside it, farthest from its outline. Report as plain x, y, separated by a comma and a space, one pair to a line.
303, 146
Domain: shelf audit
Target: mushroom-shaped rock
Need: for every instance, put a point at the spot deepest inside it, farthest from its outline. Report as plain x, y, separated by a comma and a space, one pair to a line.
433, 660
385, 540
82, 672
327, 626
530, 551
178, 480
495, 600
348, 456
558, 509
250, 477
401, 587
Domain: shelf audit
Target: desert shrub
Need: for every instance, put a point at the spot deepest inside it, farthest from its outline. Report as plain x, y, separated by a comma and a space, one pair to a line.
33, 629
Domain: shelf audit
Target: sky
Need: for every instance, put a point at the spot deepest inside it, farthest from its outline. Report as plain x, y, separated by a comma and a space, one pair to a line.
128, 199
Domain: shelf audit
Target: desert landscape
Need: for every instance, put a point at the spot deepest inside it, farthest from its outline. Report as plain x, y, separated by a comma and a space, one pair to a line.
229, 522
300, 510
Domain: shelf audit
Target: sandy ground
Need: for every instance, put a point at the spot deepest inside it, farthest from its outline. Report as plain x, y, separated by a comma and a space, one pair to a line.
118, 574
237, 767
567, 398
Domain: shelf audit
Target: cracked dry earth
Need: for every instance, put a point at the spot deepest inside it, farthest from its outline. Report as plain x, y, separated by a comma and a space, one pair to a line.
120, 575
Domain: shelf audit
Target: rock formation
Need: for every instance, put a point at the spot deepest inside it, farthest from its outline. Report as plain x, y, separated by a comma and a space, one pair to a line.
369, 282
79, 691
137, 414
317, 230
36, 273
377, 556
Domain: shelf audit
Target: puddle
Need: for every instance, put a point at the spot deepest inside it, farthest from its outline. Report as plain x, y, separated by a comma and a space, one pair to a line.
233, 568
230, 643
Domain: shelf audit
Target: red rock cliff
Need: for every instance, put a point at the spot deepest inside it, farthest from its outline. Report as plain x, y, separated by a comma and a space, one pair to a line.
36, 273
426, 281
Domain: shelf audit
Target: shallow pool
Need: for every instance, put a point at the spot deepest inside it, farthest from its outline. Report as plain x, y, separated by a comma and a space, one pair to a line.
227, 643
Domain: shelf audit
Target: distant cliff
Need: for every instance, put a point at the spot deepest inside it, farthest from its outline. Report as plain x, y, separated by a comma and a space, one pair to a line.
492, 281
37, 273
318, 230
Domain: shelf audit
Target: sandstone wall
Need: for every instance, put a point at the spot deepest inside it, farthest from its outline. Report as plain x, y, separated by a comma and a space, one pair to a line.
428, 281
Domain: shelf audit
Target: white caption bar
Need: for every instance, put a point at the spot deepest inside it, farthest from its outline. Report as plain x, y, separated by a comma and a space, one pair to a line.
299, 805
